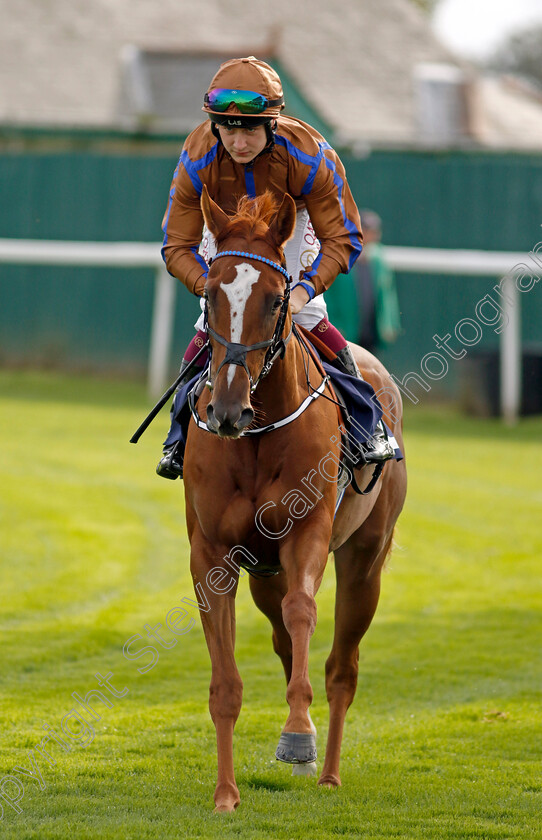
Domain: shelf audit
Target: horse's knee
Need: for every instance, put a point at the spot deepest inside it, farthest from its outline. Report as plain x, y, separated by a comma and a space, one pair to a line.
341, 679
299, 608
225, 697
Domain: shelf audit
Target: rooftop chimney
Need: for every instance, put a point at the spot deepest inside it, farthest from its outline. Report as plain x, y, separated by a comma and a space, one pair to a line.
442, 105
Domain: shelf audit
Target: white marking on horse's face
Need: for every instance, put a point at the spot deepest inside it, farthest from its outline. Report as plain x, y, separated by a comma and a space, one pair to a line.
238, 293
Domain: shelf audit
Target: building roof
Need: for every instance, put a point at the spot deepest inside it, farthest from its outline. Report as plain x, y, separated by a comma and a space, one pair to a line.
63, 62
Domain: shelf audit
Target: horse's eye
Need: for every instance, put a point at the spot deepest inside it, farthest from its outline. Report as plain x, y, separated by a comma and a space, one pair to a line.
277, 303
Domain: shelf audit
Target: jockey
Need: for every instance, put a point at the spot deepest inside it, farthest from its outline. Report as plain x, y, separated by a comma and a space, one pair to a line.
245, 147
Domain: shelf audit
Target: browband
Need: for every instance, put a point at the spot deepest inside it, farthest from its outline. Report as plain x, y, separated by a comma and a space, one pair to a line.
274, 265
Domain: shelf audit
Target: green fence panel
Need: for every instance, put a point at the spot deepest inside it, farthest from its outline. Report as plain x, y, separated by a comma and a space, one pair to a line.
108, 188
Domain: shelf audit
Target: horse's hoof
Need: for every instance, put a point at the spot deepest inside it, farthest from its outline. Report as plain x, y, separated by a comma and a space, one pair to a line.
296, 748
329, 781
224, 809
226, 798
308, 769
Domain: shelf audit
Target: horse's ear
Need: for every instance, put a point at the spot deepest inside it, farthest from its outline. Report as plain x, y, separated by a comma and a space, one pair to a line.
283, 225
214, 217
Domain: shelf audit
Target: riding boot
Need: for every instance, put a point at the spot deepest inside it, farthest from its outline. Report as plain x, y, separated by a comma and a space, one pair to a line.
185, 379
170, 464
347, 362
378, 449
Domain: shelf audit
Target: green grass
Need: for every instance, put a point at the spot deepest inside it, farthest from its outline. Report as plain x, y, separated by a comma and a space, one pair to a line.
443, 740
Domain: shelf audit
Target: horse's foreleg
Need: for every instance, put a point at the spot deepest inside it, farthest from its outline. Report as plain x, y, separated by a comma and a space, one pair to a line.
303, 559
299, 615
268, 594
358, 570
226, 689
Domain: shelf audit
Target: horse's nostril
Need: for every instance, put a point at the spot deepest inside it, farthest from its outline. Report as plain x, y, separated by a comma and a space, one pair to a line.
228, 421
211, 419
246, 418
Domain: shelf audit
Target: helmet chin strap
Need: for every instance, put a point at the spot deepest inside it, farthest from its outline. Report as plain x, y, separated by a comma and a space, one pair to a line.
270, 129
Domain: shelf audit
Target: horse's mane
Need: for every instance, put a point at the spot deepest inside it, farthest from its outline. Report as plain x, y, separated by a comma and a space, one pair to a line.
251, 218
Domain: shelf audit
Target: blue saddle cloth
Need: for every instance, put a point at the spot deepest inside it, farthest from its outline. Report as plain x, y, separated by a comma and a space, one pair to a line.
362, 406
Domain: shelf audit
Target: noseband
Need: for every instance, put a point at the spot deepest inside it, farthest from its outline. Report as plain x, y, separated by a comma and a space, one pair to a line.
236, 354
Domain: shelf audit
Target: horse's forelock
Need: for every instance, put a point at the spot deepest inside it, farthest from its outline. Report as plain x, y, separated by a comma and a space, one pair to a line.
252, 217
262, 208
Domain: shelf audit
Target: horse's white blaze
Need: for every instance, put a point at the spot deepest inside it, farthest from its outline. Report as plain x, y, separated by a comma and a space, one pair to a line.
238, 292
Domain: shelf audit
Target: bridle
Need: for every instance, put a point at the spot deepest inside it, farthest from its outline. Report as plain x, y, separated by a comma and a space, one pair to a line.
236, 354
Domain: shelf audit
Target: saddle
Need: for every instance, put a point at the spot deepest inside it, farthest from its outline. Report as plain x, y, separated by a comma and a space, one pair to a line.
359, 411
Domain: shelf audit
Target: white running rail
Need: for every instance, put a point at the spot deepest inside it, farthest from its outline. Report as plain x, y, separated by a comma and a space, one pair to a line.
421, 260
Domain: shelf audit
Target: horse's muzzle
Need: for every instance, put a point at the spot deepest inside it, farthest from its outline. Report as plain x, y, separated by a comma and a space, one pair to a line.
228, 422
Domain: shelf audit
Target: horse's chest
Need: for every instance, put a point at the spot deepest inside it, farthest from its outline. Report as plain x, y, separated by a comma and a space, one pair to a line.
230, 516
231, 522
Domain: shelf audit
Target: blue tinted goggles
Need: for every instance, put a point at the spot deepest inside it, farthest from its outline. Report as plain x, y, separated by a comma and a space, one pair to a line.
246, 101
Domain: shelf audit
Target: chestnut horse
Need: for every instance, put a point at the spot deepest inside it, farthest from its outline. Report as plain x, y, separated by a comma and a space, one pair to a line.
267, 500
